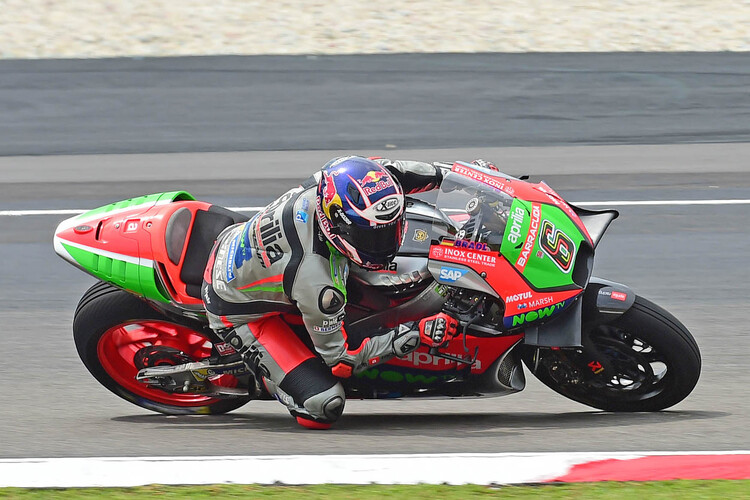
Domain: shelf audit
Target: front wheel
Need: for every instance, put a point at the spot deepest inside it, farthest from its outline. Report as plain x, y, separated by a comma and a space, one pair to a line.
644, 360
115, 332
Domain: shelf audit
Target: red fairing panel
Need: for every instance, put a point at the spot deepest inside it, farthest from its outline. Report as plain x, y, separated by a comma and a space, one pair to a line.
490, 349
501, 276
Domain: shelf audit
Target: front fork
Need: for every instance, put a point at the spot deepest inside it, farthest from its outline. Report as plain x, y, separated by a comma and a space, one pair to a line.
602, 302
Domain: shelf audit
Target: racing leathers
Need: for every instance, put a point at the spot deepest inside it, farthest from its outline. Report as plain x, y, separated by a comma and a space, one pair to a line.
265, 273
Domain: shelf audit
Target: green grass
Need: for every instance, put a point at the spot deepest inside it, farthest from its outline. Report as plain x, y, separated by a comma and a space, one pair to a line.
683, 490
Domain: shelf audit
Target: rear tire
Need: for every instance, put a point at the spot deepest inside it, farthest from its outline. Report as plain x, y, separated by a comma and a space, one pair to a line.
110, 326
643, 360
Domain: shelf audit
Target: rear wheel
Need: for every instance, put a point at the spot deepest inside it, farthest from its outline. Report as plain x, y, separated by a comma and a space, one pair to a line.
644, 360
116, 334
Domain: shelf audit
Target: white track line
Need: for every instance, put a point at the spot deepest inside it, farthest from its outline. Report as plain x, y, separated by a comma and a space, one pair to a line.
659, 202
454, 468
620, 203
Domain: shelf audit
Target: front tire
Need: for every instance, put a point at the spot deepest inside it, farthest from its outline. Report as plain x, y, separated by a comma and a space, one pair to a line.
643, 360
111, 326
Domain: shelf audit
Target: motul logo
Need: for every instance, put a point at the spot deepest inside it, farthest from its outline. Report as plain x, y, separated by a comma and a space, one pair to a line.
517, 297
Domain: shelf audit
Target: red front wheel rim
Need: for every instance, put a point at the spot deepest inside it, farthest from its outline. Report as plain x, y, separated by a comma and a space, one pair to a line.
117, 347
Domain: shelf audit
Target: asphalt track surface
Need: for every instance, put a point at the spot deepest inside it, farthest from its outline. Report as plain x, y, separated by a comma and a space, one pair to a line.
344, 102
690, 259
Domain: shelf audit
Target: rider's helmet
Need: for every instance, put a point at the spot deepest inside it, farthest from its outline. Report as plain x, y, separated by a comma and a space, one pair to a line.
360, 209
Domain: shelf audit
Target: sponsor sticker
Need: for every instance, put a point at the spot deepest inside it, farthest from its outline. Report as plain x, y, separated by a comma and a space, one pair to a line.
493, 182
528, 245
519, 296
451, 274
330, 324
223, 348
387, 204
375, 181
327, 328
619, 296
420, 235
230, 258
471, 245
516, 217
243, 247
301, 216
462, 256
131, 226
558, 245
531, 316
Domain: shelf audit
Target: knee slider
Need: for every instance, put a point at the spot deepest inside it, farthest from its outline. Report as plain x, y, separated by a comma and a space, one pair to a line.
327, 405
333, 408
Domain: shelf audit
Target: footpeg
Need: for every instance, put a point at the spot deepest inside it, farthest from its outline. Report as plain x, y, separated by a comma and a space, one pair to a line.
194, 378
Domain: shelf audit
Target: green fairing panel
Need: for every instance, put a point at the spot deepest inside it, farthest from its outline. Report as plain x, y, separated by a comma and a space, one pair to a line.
547, 259
147, 201
141, 280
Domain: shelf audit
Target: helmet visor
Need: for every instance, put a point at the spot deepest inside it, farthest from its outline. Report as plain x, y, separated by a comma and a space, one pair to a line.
375, 244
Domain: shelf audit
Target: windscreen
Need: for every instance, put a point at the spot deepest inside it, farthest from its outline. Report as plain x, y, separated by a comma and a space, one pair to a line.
478, 207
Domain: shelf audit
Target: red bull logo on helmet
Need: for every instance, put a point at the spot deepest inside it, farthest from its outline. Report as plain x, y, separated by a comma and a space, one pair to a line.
330, 195
375, 181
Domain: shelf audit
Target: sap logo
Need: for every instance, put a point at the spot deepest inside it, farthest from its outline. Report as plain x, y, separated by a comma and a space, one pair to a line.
451, 274
301, 216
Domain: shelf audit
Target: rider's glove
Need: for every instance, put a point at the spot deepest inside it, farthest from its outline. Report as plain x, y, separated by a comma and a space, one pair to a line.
485, 164
405, 340
437, 330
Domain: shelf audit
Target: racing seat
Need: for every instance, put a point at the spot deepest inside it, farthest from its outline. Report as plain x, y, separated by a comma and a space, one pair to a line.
202, 228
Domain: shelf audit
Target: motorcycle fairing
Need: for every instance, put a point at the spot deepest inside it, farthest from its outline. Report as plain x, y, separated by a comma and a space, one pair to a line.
140, 245
516, 188
490, 348
514, 240
104, 242
488, 271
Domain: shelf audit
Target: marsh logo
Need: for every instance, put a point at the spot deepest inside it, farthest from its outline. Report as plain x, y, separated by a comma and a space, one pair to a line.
451, 274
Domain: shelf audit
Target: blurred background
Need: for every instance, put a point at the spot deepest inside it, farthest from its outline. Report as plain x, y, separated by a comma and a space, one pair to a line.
111, 28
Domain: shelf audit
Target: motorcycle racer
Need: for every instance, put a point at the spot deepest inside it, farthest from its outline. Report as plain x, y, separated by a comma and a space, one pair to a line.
293, 258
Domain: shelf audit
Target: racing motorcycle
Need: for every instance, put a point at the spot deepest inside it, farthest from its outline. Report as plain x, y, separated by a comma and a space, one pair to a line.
509, 258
